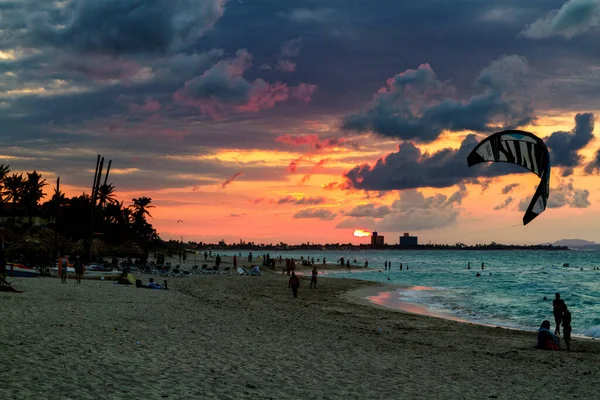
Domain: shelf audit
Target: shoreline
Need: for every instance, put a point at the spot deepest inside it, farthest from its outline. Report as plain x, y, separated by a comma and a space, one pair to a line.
378, 297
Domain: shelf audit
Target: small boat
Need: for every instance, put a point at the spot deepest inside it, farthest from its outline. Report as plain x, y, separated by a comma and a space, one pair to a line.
21, 271
91, 273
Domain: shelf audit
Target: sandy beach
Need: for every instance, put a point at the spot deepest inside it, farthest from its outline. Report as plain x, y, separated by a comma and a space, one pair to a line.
237, 337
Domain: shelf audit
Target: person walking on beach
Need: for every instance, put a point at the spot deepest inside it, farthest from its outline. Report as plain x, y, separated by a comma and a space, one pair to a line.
558, 306
234, 261
294, 283
63, 264
313, 277
78, 269
566, 323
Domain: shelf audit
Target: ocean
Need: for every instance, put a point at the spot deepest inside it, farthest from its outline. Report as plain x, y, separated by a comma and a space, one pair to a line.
509, 293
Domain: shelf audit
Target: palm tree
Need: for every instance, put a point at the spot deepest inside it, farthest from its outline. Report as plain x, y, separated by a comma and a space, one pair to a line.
13, 191
33, 193
107, 194
140, 209
4, 170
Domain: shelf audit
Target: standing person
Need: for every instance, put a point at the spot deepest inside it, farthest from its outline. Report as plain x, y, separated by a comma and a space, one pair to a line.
218, 260
78, 269
482, 265
313, 277
400, 266
234, 261
385, 266
468, 265
63, 265
294, 284
558, 306
324, 261
348, 265
566, 323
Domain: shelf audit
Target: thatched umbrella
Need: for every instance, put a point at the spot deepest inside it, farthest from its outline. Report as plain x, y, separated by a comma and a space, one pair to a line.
130, 248
97, 248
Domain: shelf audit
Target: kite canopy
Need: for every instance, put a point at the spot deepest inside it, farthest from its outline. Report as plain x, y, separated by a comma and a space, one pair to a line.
524, 149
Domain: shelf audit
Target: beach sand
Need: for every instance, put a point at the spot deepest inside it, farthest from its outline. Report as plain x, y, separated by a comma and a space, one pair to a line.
242, 337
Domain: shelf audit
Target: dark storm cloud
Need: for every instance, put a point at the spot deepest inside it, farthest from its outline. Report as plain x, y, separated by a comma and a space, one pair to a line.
416, 105
408, 168
122, 27
564, 146
573, 18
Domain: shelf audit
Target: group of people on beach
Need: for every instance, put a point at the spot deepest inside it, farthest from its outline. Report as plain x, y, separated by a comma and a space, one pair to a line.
64, 264
551, 341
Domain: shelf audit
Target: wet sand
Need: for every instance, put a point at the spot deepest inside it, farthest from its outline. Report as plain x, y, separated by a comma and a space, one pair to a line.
238, 337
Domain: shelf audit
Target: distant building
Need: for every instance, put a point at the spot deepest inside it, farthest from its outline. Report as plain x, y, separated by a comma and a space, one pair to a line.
376, 240
407, 240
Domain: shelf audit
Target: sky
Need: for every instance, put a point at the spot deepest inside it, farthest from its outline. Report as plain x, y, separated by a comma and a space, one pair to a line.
301, 120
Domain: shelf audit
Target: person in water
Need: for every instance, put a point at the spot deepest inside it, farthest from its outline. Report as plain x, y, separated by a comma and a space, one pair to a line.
294, 284
558, 306
547, 340
313, 277
566, 323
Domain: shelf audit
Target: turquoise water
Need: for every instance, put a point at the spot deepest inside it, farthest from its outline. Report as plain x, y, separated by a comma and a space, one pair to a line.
512, 296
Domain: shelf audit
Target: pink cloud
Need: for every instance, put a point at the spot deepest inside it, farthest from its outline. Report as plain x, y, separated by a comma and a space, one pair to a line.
286, 66
223, 89
304, 92
150, 106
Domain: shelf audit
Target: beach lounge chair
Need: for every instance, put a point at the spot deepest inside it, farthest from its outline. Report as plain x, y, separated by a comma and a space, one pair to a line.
242, 271
226, 270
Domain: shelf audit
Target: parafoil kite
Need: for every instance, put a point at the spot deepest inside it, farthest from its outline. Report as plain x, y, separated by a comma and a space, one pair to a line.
524, 149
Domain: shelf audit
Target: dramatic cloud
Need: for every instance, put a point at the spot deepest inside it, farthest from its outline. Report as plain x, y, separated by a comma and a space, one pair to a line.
223, 88
416, 105
121, 27
564, 146
412, 211
301, 200
321, 214
408, 168
573, 18
368, 210
564, 194
594, 165
505, 204
509, 188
